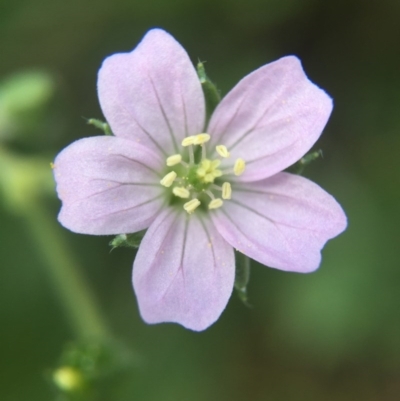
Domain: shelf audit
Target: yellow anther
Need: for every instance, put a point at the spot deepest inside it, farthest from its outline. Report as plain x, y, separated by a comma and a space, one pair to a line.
189, 140
239, 167
226, 190
192, 205
181, 192
222, 151
168, 179
201, 138
173, 160
215, 203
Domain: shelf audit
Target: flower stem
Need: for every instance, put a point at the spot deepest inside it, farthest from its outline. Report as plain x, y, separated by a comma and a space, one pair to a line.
72, 288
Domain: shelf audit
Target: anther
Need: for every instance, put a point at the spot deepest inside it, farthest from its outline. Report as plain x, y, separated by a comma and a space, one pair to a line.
192, 205
201, 138
173, 160
226, 190
222, 151
215, 203
239, 167
189, 140
168, 179
181, 192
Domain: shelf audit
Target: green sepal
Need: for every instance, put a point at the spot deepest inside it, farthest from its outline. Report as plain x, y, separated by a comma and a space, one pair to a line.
212, 95
298, 168
100, 125
242, 277
128, 240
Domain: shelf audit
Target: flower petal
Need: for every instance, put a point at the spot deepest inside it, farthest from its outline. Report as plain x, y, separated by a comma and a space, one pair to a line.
152, 95
271, 118
183, 272
282, 222
107, 185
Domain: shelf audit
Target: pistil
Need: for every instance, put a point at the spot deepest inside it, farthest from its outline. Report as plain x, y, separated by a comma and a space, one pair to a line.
197, 180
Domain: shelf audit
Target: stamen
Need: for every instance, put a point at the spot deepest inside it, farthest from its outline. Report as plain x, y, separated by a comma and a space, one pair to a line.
201, 138
181, 192
203, 152
189, 140
168, 179
210, 194
192, 205
173, 160
191, 155
217, 187
222, 151
239, 167
226, 190
215, 203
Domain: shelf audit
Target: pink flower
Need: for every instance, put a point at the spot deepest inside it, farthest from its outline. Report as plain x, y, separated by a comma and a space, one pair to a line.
200, 191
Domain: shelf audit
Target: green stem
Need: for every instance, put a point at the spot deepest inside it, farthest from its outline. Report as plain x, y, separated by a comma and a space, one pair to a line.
72, 288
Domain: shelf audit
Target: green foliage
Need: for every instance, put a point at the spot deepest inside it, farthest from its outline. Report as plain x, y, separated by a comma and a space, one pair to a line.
24, 103
85, 366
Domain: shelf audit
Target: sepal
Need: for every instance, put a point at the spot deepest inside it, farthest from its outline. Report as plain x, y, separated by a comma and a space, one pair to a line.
127, 240
100, 125
212, 95
242, 277
298, 167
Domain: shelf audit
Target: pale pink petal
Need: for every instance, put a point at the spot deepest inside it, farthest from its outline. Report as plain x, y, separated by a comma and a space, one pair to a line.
282, 222
271, 118
107, 185
183, 272
152, 95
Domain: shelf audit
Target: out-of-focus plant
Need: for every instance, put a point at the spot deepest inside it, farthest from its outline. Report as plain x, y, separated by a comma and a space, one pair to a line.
25, 100
26, 186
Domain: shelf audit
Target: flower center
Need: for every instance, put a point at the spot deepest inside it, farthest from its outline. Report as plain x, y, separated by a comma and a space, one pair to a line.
198, 180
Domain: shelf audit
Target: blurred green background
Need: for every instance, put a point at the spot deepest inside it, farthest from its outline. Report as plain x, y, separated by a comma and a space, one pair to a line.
331, 335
